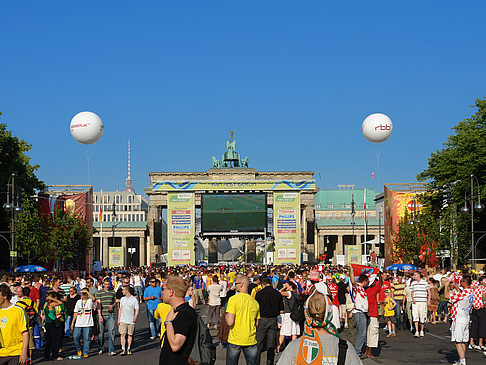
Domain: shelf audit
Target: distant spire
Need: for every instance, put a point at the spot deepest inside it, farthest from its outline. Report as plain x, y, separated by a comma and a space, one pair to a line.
128, 181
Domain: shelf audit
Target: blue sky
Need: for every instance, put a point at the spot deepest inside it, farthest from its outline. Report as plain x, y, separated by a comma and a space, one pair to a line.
295, 79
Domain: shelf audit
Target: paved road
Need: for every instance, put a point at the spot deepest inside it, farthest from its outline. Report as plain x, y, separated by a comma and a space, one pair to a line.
434, 348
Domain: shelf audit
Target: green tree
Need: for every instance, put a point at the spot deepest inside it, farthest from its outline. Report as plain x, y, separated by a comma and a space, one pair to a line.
41, 238
14, 159
448, 175
31, 237
69, 236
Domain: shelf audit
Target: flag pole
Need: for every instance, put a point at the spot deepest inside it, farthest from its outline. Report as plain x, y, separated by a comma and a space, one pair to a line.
101, 227
365, 223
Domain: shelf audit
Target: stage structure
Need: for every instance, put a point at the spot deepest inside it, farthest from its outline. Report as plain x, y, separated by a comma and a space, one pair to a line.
221, 213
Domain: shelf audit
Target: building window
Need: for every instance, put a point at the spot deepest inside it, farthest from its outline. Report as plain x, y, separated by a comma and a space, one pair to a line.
318, 215
330, 206
106, 199
333, 215
348, 206
117, 199
129, 199
348, 215
342, 206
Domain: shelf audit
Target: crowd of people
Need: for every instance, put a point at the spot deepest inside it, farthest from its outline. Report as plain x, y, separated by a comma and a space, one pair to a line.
300, 312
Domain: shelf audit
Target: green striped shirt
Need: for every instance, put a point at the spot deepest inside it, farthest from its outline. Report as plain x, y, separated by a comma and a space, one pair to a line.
106, 299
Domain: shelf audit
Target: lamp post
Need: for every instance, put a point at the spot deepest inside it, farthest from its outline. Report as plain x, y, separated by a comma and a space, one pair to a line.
113, 213
353, 213
12, 207
479, 207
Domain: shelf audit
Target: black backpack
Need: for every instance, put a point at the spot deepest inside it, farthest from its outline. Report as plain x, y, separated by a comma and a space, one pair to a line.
296, 309
29, 311
203, 351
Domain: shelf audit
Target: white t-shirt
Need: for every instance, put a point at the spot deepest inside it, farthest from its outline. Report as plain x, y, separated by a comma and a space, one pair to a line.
224, 292
84, 309
214, 291
136, 281
127, 309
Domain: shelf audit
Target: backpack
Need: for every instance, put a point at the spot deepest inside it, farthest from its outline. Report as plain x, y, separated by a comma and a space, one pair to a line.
203, 352
343, 348
296, 309
30, 312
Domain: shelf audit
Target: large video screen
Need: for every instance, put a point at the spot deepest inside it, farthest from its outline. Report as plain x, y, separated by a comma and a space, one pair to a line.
233, 213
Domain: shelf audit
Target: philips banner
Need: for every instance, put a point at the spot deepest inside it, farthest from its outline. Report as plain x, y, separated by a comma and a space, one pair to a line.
286, 226
181, 212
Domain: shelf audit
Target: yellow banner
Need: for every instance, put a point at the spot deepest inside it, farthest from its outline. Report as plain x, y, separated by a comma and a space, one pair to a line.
353, 254
116, 257
286, 227
237, 185
181, 221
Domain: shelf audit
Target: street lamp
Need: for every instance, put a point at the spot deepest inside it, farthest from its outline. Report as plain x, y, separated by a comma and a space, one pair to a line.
12, 207
479, 207
353, 213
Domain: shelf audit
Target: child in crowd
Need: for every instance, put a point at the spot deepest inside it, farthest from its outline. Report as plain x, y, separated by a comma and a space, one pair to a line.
390, 305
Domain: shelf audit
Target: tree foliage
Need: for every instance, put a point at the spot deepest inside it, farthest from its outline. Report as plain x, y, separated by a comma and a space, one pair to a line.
448, 176
14, 158
43, 239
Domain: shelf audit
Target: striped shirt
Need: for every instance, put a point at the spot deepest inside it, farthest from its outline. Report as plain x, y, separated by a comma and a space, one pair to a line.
106, 299
398, 289
65, 288
420, 290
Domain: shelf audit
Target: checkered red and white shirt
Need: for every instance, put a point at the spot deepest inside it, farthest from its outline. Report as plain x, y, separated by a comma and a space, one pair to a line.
474, 284
461, 305
478, 297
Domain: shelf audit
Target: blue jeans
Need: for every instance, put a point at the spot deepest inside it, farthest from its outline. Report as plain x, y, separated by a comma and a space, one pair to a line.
67, 326
86, 333
361, 328
233, 354
153, 323
109, 324
398, 315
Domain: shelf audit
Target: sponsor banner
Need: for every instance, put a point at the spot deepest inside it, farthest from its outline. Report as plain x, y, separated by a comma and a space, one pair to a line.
353, 254
236, 185
181, 221
396, 204
286, 227
116, 256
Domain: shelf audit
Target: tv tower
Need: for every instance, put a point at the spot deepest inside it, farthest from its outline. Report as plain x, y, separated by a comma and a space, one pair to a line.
128, 181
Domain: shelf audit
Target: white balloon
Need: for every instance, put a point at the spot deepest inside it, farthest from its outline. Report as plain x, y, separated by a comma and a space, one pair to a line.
377, 128
87, 127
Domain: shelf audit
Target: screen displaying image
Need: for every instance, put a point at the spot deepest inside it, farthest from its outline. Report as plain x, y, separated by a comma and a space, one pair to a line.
233, 213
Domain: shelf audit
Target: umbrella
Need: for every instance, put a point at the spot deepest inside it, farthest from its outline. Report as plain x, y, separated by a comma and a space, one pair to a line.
29, 268
403, 267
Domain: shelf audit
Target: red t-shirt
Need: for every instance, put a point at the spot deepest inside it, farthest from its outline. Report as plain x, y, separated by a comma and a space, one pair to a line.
34, 294
334, 293
372, 292
382, 295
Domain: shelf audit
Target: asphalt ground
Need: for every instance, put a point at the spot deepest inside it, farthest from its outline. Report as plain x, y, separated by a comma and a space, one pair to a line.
434, 348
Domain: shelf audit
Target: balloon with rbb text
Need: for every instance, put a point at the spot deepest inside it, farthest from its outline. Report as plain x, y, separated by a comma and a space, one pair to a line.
87, 127
377, 128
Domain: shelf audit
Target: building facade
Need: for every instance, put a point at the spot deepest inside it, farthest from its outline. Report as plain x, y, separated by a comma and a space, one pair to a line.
340, 221
120, 221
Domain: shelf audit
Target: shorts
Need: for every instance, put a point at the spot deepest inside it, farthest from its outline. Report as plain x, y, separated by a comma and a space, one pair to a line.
126, 328
391, 319
342, 310
373, 333
419, 312
31, 339
289, 327
460, 332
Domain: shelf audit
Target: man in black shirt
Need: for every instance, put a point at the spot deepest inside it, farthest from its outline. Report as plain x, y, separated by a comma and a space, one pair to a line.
271, 305
342, 291
180, 324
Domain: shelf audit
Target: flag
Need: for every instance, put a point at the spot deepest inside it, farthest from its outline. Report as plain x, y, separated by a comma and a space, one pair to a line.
362, 269
364, 206
372, 175
101, 209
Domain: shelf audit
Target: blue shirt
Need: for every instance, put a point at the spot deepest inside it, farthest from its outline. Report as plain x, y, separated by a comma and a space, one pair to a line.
149, 291
198, 283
